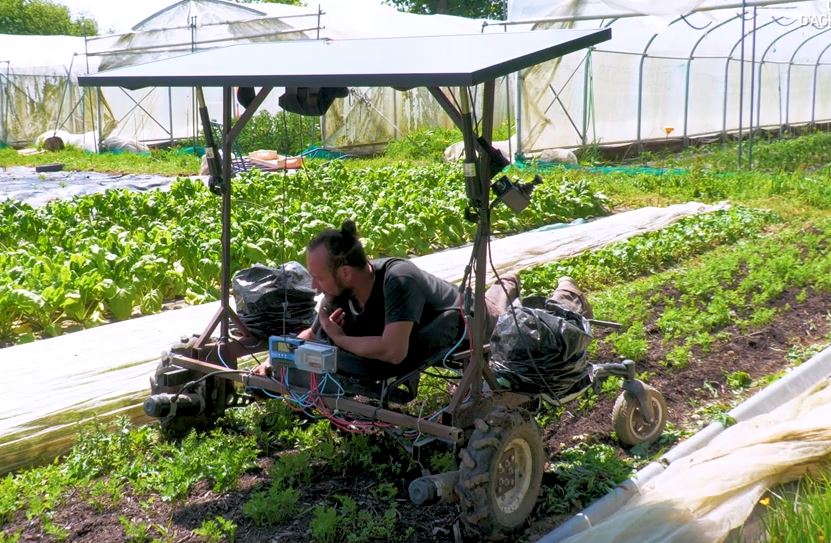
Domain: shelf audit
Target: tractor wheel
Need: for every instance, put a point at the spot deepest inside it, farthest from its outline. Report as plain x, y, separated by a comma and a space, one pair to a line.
500, 473
628, 421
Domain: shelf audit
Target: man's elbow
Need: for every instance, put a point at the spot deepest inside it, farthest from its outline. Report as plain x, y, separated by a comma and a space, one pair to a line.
396, 355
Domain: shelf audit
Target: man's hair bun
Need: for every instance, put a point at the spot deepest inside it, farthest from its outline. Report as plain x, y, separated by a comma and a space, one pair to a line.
343, 245
348, 228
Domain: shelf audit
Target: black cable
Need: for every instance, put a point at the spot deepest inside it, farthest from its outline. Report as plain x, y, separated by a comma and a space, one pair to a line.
472, 100
283, 212
516, 321
199, 380
244, 346
453, 97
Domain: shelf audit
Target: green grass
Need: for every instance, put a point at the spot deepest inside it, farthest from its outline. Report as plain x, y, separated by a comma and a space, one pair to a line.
804, 153
803, 516
160, 162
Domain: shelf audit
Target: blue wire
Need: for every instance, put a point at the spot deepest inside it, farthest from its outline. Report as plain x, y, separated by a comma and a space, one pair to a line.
302, 400
456, 346
329, 377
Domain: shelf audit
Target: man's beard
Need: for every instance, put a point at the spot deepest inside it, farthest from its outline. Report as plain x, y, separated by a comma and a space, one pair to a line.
341, 299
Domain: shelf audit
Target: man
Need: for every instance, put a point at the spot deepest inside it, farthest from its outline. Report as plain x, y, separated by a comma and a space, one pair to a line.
386, 311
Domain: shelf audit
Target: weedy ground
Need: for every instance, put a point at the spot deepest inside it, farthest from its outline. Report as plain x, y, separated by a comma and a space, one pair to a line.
714, 308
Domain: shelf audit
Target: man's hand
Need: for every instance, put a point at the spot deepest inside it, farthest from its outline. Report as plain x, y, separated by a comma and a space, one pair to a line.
263, 370
332, 323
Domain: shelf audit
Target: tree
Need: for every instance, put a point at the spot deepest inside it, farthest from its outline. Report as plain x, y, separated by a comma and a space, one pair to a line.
477, 9
42, 17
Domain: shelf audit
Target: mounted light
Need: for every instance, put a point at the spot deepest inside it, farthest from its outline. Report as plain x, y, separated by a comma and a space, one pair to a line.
517, 196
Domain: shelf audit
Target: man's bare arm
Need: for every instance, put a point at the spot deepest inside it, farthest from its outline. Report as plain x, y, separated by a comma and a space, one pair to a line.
390, 347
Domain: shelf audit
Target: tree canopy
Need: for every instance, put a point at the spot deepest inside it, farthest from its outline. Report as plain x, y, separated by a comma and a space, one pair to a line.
41, 17
477, 9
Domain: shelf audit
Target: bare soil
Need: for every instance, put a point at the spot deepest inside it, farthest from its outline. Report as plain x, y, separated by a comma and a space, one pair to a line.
759, 352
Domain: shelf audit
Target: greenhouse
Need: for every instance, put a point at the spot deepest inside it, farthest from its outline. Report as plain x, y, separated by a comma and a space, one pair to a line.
670, 75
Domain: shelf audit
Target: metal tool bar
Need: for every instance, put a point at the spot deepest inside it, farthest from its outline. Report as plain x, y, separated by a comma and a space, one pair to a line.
450, 434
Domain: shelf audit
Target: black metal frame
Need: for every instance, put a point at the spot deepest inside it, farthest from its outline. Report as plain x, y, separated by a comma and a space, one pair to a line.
459, 414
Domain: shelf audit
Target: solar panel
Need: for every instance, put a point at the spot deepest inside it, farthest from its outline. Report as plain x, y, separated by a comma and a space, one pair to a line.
424, 61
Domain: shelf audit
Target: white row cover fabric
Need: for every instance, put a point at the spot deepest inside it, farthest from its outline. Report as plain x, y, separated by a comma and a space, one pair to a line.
662, 75
104, 369
723, 481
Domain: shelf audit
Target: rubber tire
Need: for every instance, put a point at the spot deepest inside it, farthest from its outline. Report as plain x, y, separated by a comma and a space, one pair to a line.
627, 418
480, 511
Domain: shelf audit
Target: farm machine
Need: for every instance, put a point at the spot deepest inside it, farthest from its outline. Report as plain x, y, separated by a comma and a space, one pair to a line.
490, 423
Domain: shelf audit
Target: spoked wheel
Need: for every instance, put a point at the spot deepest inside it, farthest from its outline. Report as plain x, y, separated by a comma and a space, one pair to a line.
500, 473
628, 420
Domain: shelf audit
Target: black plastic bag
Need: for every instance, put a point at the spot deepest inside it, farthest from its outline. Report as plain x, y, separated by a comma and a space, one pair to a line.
273, 301
543, 349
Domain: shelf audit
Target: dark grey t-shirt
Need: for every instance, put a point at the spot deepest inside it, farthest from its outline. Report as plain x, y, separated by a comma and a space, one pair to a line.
401, 292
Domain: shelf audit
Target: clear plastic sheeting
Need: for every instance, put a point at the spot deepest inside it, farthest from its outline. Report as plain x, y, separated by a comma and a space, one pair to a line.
670, 71
27, 186
183, 27
723, 480
374, 116
34, 95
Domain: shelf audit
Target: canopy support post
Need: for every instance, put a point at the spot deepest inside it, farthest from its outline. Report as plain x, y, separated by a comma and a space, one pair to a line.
477, 181
225, 173
227, 149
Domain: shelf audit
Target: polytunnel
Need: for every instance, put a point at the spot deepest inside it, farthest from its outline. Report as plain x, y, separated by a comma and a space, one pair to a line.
692, 70
673, 73
34, 95
157, 114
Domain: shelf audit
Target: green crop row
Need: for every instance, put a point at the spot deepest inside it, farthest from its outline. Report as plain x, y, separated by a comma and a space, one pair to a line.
651, 252
111, 254
736, 285
108, 465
